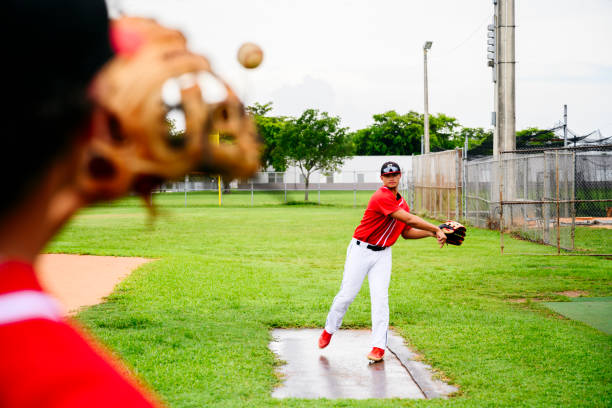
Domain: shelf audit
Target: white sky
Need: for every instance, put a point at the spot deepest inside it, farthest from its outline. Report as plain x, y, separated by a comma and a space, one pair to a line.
357, 58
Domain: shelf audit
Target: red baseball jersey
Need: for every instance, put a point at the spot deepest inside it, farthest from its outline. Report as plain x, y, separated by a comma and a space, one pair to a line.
377, 227
47, 362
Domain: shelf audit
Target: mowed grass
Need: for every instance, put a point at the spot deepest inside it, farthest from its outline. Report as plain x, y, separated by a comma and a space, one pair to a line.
195, 323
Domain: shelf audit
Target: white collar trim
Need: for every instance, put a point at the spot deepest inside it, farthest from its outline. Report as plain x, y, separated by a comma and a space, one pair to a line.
27, 305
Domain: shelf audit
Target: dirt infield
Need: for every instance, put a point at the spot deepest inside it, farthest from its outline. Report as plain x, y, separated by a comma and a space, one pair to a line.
83, 280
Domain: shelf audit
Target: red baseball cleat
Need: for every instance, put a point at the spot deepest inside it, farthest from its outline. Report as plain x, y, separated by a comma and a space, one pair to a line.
324, 339
376, 354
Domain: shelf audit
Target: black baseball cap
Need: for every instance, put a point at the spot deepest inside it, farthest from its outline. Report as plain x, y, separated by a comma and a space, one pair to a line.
61, 41
390, 168
54, 50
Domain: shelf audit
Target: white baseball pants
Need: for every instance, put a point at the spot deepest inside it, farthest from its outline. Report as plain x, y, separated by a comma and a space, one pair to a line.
361, 261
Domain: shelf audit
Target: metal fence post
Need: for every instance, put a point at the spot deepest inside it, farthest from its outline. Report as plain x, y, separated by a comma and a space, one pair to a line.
566, 192
558, 213
573, 196
545, 208
319, 189
477, 176
464, 181
525, 189
252, 192
457, 182
501, 202
464, 177
354, 189
440, 200
285, 188
185, 187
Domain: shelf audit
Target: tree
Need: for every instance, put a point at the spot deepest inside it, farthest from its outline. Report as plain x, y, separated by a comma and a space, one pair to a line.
525, 139
394, 134
534, 137
269, 128
443, 134
480, 141
475, 136
390, 134
314, 141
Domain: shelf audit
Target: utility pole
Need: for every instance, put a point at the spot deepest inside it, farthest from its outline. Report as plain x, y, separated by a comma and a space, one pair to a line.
565, 126
504, 76
426, 47
492, 62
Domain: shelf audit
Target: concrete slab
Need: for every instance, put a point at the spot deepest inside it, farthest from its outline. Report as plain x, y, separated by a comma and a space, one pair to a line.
342, 370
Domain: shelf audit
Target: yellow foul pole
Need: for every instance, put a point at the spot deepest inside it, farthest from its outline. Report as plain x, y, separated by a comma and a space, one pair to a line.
216, 139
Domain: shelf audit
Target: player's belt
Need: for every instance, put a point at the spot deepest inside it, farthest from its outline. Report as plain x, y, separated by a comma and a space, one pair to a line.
372, 247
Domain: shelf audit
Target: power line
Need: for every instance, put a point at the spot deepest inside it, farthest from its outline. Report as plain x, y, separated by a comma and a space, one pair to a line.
446, 53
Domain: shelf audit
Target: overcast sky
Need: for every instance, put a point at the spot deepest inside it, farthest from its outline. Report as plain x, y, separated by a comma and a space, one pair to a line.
357, 58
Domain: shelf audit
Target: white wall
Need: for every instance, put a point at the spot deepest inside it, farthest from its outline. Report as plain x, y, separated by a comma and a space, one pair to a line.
363, 169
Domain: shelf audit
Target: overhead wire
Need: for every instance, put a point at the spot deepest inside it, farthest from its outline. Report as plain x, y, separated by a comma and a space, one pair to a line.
445, 53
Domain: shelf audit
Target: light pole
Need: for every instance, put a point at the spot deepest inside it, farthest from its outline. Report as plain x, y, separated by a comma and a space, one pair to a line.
425, 142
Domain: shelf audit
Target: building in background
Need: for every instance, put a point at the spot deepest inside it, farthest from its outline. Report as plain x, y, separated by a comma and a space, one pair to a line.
357, 172
363, 171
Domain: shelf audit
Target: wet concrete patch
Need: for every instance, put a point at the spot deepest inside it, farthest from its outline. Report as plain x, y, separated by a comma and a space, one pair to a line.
342, 370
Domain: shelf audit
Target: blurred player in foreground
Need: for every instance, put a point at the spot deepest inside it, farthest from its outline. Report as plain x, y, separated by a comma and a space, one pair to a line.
87, 119
369, 253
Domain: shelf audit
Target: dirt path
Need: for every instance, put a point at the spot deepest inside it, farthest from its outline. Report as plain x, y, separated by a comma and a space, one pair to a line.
83, 280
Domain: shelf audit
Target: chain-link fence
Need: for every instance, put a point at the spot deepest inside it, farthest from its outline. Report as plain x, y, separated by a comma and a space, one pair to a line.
559, 197
348, 188
437, 184
480, 203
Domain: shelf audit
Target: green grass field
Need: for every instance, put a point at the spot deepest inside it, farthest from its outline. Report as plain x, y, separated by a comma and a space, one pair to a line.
195, 323
264, 198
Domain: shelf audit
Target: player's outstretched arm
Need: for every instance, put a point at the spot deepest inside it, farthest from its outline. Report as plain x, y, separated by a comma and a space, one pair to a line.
419, 223
415, 233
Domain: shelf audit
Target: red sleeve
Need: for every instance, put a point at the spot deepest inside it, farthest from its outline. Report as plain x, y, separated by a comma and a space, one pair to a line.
387, 204
50, 364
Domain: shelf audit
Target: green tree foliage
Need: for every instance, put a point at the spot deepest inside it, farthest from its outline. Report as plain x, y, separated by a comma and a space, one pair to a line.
529, 138
314, 141
475, 136
269, 129
480, 141
483, 149
534, 138
390, 134
443, 133
395, 134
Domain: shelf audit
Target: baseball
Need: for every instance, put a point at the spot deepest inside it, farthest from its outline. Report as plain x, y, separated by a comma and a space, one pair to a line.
250, 55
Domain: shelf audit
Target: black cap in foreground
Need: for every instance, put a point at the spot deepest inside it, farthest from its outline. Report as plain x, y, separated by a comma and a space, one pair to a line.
53, 50
390, 168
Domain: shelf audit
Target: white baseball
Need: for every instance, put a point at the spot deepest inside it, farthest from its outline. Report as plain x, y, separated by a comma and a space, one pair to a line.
250, 55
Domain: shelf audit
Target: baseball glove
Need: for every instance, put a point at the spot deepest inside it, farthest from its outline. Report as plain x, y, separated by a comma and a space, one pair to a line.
455, 232
158, 107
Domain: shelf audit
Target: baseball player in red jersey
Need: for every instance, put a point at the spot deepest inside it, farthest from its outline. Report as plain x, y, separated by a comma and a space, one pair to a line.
369, 253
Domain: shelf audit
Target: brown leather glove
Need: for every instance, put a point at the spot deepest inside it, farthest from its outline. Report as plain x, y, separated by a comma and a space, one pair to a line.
455, 232
157, 107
